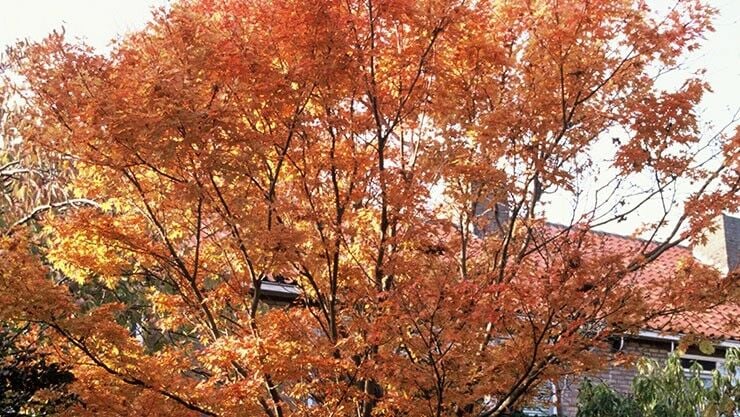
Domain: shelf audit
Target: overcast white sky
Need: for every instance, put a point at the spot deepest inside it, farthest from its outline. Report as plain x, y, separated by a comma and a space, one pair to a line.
100, 21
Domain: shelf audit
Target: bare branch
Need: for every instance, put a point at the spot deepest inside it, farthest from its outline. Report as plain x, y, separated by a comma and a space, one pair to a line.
74, 202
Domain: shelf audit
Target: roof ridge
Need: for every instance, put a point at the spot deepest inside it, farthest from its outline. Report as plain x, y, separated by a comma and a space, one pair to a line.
603, 232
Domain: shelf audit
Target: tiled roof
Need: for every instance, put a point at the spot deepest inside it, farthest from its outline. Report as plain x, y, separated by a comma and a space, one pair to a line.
720, 322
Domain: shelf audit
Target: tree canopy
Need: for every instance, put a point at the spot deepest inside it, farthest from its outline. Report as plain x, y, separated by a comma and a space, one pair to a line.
391, 159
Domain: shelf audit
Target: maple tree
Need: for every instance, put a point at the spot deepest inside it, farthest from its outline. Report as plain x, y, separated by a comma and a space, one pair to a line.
362, 151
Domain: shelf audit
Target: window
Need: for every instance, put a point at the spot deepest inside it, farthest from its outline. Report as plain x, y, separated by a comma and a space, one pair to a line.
708, 364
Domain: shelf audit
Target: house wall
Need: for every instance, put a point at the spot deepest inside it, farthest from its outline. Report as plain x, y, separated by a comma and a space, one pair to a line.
620, 377
617, 377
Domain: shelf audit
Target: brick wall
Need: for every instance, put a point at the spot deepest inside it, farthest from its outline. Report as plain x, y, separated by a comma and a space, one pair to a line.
618, 377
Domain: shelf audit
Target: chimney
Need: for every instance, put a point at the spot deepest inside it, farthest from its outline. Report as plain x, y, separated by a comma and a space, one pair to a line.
490, 217
722, 249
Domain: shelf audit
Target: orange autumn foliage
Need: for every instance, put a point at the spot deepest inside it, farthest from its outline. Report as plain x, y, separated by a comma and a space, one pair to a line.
352, 148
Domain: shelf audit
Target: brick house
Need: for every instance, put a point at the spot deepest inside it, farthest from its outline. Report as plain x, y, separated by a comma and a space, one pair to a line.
720, 325
650, 344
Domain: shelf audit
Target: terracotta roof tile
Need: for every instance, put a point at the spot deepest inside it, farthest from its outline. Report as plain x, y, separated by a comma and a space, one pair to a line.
720, 322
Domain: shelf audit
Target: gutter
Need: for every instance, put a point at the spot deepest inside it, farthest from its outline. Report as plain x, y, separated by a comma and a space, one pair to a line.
653, 335
288, 292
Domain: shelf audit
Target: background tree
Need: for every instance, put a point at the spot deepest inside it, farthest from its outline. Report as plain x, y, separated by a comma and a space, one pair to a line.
355, 148
31, 182
31, 386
